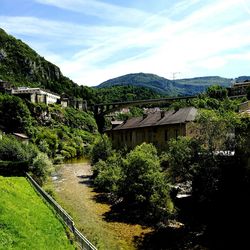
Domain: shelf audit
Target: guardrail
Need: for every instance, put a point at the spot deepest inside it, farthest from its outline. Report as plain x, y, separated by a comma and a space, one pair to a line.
80, 239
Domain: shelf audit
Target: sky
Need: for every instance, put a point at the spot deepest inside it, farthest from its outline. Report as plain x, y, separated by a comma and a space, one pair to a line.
96, 40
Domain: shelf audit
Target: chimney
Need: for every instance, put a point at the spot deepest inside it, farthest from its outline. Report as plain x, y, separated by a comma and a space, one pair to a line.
162, 114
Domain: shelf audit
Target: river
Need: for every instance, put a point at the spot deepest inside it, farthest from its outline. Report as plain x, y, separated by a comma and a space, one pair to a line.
73, 189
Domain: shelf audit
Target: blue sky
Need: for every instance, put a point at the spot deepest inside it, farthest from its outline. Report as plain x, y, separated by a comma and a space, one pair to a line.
95, 40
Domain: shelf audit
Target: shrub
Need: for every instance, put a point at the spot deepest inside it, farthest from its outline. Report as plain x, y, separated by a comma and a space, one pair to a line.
41, 167
145, 184
13, 150
182, 155
109, 174
101, 149
14, 113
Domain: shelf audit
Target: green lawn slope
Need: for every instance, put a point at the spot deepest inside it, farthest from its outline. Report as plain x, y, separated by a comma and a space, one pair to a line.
26, 222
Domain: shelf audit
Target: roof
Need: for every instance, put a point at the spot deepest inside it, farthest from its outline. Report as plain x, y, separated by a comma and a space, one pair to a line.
160, 118
27, 90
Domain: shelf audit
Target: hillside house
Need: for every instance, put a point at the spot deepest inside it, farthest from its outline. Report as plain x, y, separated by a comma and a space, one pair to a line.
157, 128
36, 95
239, 88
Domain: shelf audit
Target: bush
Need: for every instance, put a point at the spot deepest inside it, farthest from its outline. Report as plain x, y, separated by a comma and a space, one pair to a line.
109, 174
101, 149
182, 156
145, 184
41, 167
13, 150
216, 91
14, 113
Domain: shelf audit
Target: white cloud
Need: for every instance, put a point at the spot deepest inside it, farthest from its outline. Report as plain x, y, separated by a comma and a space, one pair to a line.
206, 39
98, 9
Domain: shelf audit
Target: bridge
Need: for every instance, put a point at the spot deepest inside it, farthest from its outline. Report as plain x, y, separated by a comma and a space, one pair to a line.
102, 109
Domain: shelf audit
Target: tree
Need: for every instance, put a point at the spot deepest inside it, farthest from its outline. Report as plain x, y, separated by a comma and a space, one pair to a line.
14, 114
215, 131
41, 167
145, 184
101, 149
109, 174
182, 156
217, 92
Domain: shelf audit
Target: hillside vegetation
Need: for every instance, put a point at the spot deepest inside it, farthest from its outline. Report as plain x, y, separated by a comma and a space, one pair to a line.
26, 222
165, 86
54, 132
22, 66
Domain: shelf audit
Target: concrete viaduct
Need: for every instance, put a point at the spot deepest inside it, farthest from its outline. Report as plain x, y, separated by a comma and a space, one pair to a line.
100, 110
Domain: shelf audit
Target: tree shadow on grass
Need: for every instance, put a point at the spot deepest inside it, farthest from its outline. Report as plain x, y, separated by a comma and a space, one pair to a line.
124, 212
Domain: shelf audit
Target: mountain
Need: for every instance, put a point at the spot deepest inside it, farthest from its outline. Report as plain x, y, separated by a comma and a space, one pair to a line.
22, 66
190, 86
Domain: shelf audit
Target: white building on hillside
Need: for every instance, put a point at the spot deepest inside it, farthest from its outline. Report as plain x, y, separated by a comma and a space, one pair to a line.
36, 95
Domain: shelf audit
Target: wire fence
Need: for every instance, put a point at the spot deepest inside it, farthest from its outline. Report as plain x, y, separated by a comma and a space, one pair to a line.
80, 239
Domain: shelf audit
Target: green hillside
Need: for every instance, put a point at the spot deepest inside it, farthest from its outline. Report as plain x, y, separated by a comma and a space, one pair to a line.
22, 66
191, 86
126, 93
26, 222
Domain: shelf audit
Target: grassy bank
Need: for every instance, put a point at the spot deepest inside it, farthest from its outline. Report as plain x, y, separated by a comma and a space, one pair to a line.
25, 220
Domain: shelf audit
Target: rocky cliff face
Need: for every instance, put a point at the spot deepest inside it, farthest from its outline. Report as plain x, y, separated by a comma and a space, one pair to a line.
21, 65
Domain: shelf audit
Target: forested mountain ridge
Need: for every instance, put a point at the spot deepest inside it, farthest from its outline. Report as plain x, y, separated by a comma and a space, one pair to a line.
190, 86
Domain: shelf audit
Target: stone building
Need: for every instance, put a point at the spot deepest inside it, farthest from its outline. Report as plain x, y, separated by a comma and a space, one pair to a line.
157, 128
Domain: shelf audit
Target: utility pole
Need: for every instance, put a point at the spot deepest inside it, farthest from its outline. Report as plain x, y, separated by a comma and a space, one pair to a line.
174, 75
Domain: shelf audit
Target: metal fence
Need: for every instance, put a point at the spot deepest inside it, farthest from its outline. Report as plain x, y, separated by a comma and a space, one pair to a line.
80, 239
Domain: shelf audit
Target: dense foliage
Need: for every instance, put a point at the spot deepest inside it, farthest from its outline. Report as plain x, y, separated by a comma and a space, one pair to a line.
38, 163
146, 185
54, 132
125, 93
215, 98
14, 114
138, 179
101, 149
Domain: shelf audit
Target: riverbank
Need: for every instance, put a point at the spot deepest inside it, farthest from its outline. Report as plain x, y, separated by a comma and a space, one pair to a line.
73, 189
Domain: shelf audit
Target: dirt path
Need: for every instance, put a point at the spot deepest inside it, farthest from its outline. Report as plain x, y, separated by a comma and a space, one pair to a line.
72, 186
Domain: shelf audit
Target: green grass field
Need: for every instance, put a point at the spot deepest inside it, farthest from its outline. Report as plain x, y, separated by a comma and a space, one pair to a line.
26, 222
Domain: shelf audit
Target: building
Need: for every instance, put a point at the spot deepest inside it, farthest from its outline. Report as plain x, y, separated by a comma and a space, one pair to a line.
156, 128
239, 88
36, 95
